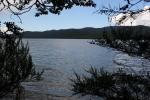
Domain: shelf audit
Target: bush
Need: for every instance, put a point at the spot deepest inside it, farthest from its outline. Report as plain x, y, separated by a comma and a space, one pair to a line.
112, 86
15, 61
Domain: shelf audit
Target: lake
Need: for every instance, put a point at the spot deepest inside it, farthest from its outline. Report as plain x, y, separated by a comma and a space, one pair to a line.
60, 58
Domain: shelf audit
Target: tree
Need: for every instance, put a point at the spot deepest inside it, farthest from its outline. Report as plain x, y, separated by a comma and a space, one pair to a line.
125, 10
43, 7
119, 85
15, 61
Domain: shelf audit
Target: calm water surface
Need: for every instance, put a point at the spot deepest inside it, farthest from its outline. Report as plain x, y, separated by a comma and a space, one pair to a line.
59, 58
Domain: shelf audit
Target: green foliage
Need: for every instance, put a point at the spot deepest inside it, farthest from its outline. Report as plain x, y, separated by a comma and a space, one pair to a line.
15, 61
113, 86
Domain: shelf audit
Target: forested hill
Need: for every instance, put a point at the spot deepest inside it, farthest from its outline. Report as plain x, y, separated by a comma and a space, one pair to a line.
84, 33
66, 33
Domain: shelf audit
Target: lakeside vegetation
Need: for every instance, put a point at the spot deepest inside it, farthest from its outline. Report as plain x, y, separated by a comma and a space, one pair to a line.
132, 40
118, 85
16, 64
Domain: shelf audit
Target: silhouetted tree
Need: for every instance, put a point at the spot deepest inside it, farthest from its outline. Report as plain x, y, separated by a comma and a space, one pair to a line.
19, 7
15, 61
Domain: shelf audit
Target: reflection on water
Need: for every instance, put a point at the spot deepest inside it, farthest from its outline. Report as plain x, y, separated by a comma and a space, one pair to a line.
60, 58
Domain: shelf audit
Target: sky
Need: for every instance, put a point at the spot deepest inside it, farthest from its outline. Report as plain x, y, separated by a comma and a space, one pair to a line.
77, 17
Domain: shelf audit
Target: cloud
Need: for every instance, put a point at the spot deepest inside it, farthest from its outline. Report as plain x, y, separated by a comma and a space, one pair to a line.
142, 18
3, 29
147, 8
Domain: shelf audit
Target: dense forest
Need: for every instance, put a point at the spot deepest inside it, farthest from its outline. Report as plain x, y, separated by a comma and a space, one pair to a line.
90, 33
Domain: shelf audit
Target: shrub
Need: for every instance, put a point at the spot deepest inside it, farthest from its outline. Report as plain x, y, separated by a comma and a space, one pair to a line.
15, 61
113, 86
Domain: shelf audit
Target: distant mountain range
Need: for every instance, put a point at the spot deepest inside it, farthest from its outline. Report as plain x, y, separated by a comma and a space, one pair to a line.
84, 33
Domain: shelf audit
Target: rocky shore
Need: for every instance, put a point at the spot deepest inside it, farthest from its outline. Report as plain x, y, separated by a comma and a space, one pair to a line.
132, 47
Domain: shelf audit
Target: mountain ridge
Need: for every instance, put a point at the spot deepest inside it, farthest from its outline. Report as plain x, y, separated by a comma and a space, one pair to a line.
82, 33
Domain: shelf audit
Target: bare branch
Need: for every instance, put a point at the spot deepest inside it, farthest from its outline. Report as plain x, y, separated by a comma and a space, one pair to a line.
128, 9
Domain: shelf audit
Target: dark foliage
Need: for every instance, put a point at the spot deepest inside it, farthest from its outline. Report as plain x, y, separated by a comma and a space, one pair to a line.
15, 61
127, 33
132, 40
88, 33
18, 7
84, 33
113, 86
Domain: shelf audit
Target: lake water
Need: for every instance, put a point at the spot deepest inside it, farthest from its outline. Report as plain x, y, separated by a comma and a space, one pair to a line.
59, 58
